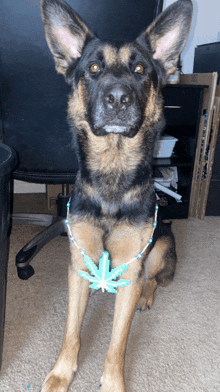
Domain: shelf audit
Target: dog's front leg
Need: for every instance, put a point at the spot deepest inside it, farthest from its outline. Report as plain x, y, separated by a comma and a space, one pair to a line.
62, 374
125, 306
90, 239
123, 245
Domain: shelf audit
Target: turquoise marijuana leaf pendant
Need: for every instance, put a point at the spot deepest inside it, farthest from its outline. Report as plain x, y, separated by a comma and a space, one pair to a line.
102, 277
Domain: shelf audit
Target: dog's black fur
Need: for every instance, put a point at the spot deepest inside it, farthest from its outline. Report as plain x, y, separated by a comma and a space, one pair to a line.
116, 113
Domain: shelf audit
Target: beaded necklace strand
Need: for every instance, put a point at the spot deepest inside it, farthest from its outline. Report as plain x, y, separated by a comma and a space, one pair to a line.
102, 277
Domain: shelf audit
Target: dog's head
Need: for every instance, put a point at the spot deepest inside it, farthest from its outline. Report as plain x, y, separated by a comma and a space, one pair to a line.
115, 87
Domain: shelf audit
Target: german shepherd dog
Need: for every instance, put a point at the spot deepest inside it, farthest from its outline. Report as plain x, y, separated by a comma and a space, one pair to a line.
116, 113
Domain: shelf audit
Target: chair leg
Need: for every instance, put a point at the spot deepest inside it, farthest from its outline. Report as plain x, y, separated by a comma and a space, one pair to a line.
29, 251
4, 250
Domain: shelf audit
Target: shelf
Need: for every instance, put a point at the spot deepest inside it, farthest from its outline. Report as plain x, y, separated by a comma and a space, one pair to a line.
186, 86
173, 161
174, 211
182, 111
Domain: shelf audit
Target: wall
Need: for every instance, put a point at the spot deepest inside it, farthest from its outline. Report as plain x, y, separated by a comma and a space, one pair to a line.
26, 187
205, 28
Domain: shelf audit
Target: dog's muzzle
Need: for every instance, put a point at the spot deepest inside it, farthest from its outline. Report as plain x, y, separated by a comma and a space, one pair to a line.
116, 111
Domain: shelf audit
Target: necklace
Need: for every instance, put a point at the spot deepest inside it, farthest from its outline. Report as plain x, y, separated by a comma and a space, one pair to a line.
102, 277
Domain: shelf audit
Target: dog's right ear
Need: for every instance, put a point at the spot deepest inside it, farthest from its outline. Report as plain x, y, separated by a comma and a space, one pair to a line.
65, 33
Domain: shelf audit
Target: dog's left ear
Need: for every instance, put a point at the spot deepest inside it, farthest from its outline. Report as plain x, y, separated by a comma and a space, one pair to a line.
168, 34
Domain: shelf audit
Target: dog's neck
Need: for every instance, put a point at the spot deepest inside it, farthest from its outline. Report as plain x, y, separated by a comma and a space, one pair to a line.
112, 154
114, 171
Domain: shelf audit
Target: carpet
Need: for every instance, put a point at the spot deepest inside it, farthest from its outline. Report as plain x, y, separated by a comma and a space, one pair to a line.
174, 347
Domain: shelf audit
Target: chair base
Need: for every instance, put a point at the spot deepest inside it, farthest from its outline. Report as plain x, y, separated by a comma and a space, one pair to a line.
33, 219
25, 273
29, 251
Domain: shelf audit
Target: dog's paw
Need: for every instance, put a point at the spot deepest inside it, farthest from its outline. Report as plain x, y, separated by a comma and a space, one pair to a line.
55, 384
145, 303
112, 384
146, 299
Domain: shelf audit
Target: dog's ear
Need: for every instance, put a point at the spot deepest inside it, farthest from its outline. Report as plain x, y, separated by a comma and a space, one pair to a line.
65, 33
168, 34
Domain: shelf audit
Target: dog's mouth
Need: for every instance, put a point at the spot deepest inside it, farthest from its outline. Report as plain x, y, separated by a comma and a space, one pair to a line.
115, 129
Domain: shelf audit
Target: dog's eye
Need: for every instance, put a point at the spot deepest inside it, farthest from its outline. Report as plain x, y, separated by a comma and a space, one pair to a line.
139, 69
94, 68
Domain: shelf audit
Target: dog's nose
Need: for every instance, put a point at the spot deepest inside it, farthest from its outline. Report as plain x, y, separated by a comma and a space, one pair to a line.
118, 97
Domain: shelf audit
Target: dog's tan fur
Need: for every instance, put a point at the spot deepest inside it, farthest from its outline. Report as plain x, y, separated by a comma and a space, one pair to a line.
114, 159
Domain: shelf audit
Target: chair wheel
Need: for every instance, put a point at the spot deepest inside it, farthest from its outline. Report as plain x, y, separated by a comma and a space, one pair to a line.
25, 273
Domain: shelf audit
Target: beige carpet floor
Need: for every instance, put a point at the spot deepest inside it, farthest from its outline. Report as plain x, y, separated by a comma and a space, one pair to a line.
174, 347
